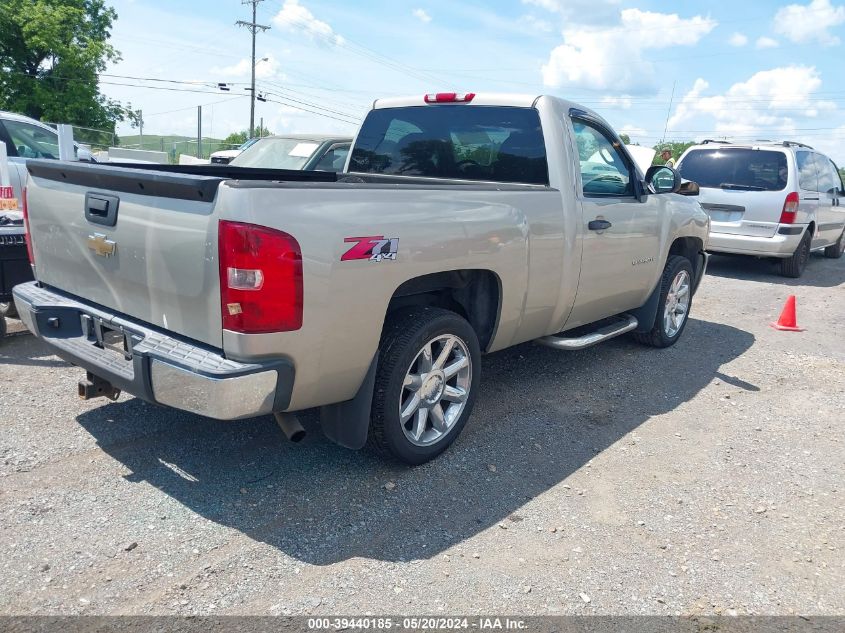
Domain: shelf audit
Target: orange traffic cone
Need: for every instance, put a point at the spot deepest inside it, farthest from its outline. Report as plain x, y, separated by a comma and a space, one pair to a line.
788, 320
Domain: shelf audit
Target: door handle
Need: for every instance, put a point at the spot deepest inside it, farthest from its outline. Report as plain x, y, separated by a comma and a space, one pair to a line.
599, 225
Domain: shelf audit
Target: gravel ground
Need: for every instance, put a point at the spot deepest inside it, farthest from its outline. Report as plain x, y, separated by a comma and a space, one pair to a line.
702, 479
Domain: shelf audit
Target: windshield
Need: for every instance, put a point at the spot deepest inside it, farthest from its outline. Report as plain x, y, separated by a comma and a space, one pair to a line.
276, 153
744, 169
504, 144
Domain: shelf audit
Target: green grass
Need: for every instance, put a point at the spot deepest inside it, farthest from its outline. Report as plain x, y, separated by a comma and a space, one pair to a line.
173, 144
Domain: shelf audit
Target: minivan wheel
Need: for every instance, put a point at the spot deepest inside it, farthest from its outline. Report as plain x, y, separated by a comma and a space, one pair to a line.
426, 384
794, 266
835, 251
674, 304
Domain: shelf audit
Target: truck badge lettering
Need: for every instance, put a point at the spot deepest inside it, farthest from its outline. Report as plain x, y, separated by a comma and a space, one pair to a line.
644, 260
373, 247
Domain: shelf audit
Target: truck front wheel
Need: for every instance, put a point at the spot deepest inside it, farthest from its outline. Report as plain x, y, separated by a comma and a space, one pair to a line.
426, 383
674, 305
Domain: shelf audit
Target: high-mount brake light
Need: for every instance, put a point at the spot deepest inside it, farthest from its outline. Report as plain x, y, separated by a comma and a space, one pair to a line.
260, 279
28, 236
449, 97
790, 208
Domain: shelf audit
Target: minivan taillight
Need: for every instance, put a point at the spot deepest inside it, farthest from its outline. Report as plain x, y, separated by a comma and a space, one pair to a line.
28, 236
790, 208
260, 279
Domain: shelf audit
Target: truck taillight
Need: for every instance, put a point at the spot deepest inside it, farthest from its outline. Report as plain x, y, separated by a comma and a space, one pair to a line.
449, 97
260, 279
790, 208
28, 236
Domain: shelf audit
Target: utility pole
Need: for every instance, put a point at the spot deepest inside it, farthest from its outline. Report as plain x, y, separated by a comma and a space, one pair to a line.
261, 127
253, 28
141, 129
199, 131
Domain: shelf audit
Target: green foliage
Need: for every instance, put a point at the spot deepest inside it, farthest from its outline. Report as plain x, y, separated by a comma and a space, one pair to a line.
51, 52
625, 139
236, 138
842, 173
676, 147
239, 138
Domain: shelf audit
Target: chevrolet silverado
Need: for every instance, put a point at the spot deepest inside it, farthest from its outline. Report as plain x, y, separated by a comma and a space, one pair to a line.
461, 225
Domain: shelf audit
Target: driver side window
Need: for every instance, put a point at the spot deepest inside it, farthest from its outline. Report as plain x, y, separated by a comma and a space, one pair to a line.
604, 172
31, 141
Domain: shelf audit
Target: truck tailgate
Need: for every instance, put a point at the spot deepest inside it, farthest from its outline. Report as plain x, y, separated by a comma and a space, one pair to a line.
141, 243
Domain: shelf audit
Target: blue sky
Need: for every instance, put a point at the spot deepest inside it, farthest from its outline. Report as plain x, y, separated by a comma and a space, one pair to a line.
763, 69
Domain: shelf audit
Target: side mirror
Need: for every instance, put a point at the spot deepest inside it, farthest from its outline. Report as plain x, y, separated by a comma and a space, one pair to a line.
662, 179
689, 188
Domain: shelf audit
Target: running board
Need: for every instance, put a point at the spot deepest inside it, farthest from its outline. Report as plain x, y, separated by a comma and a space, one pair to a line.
625, 324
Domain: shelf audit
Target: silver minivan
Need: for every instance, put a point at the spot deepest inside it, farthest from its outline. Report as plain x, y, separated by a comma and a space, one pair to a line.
768, 199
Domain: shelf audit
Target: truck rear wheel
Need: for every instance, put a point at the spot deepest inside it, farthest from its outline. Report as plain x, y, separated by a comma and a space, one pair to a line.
674, 305
426, 383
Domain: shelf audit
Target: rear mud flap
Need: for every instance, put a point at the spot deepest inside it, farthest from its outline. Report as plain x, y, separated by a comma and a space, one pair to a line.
347, 423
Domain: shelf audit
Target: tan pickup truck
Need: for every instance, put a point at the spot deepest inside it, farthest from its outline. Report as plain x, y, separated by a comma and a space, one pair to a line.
462, 224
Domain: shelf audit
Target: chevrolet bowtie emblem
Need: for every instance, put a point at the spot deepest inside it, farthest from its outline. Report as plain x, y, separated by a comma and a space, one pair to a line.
101, 245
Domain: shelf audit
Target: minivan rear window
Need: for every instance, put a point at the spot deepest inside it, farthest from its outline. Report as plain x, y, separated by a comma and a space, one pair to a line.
503, 144
749, 169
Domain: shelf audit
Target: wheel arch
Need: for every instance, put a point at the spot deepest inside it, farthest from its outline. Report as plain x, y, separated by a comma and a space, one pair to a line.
475, 294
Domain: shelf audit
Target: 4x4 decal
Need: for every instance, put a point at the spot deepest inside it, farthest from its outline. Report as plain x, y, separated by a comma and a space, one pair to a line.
373, 247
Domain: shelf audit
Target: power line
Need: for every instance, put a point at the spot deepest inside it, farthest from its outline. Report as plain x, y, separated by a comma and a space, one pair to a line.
193, 107
328, 116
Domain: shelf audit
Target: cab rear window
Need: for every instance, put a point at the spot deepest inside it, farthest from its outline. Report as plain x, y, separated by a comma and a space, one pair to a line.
748, 169
503, 144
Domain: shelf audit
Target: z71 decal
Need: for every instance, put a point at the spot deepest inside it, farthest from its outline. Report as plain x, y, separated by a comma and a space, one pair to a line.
373, 247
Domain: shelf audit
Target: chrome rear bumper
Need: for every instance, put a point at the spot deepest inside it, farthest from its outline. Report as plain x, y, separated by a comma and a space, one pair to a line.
151, 364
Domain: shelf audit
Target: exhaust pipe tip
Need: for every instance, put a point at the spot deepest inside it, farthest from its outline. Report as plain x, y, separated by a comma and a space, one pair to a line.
290, 426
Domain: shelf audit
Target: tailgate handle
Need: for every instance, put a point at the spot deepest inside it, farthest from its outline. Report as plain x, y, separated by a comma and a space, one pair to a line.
101, 208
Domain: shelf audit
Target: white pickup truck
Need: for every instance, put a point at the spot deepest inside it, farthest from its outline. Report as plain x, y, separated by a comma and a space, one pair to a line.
462, 224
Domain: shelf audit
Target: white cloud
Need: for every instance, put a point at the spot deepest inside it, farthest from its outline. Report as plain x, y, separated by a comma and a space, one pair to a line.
769, 101
611, 57
295, 16
582, 11
622, 102
738, 39
809, 23
632, 131
421, 15
263, 69
766, 42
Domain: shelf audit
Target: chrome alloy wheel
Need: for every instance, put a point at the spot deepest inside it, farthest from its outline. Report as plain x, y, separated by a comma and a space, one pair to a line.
677, 304
435, 390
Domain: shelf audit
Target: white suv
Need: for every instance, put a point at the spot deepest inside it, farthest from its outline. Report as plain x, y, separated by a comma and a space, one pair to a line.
769, 199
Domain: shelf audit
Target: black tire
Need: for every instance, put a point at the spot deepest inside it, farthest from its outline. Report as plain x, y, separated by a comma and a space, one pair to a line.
2, 326
7, 309
404, 336
794, 266
835, 251
658, 336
